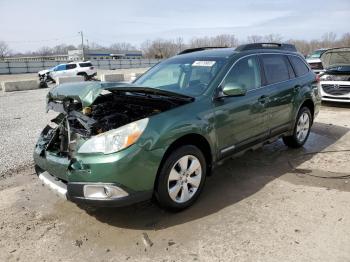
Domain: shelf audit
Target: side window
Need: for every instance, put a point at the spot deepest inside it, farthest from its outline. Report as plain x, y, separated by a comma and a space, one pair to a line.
60, 68
71, 66
246, 73
85, 64
275, 67
299, 66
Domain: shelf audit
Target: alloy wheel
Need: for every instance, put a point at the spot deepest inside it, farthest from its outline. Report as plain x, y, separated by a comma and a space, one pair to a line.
303, 127
184, 179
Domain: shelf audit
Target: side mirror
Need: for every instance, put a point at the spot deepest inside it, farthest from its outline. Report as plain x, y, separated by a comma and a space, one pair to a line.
233, 89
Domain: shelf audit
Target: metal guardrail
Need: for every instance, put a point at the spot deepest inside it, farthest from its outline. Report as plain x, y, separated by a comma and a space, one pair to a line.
7, 67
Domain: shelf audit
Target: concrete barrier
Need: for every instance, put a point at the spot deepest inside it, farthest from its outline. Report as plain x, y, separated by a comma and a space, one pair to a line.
68, 79
10, 86
112, 77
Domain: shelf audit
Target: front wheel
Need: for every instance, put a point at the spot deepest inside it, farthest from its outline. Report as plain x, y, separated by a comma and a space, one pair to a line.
301, 129
181, 178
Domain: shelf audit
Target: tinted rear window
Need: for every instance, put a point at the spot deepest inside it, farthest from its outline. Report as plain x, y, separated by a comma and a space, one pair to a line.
71, 66
299, 66
85, 64
275, 67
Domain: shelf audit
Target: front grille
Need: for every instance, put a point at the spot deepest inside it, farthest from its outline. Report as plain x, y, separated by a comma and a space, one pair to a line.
336, 90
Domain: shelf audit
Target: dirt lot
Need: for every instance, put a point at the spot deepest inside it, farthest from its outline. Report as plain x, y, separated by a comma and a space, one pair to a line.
268, 205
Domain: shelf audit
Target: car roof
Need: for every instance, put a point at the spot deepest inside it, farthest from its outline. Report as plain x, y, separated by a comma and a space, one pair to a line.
215, 52
78, 62
228, 52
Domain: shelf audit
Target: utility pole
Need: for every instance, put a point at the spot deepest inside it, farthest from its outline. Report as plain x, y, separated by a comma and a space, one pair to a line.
82, 44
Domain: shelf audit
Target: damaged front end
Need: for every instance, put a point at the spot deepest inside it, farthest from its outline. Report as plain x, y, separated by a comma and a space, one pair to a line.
88, 142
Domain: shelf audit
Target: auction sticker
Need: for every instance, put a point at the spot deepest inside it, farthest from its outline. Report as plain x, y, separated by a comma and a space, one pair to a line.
203, 63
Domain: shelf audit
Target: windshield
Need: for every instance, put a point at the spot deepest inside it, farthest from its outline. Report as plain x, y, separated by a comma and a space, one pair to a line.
336, 57
185, 75
316, 54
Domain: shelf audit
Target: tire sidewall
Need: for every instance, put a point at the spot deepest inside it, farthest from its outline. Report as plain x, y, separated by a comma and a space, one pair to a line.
162, 193
302, 111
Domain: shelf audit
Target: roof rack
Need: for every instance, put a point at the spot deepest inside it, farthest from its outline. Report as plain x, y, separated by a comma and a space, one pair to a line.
190, 50
279, 46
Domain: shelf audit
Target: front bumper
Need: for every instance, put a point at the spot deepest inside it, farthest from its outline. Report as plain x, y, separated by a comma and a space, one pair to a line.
133, 170
335, 91
75, 192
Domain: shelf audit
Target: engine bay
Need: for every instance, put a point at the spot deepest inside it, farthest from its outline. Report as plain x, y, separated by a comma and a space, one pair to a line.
112, 110
109, 111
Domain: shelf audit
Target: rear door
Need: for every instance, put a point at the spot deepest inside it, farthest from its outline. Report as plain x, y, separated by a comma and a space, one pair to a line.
240, 121
87, 67
71, 70
279, 79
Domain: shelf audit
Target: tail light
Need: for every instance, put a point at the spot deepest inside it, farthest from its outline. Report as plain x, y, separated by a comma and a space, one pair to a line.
318, 78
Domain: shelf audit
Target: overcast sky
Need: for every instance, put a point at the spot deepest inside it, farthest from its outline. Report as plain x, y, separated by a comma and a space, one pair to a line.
29, 24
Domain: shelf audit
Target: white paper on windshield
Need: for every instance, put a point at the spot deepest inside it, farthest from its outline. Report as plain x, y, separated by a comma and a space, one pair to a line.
203, 63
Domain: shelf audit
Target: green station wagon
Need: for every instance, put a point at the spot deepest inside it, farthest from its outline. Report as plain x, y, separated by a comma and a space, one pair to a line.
114, 144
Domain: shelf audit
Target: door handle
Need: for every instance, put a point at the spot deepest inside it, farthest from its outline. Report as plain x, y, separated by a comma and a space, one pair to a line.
263, 99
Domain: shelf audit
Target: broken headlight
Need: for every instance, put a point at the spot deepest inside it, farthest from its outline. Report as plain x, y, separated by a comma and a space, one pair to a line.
115, 140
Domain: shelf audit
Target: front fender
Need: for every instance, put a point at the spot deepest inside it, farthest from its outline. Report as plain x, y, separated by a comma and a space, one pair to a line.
167, 127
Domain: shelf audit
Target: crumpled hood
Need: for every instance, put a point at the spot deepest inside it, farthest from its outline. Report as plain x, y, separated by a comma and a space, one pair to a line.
87, 92
336, 57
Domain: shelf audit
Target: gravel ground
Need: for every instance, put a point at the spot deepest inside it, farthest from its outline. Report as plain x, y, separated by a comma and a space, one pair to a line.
267, 205
22, 117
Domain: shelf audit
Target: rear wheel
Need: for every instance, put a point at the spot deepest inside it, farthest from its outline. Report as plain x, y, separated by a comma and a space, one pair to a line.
181, 178
301, 129
86, 77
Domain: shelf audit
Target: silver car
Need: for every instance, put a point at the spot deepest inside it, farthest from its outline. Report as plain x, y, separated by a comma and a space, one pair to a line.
314, 60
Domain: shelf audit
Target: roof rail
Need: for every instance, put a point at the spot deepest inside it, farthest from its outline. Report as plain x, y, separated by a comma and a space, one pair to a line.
279, 46
190, 50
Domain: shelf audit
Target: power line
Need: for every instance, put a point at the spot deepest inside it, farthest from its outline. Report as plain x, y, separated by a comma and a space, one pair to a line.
39, 41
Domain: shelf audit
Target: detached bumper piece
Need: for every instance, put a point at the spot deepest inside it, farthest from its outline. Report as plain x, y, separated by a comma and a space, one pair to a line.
94, 194
54, 183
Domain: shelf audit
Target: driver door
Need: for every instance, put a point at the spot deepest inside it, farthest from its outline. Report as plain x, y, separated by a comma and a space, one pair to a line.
59, 71
240, 121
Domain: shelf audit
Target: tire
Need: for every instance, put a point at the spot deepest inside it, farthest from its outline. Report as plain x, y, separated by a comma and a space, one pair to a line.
175, 176
86, 77
301, 129
43, 84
